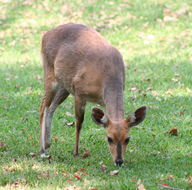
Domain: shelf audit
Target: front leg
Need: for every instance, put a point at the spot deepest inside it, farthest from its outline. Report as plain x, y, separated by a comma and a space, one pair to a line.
79, 115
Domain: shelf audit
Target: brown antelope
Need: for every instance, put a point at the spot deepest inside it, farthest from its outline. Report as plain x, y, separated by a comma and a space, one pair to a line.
79, 61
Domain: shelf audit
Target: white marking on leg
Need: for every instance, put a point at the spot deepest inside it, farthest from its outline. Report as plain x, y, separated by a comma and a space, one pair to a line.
43, 155
44, 128
48, 120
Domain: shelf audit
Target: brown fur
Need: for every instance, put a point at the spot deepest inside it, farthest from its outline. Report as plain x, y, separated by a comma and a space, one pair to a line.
82, 63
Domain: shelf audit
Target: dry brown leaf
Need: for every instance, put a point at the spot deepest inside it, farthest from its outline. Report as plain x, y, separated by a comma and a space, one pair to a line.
173, 131
177, 75
169, 91
181, 113
92, 188
33, 155
114, 172
149, 89
103, 167
147, 79
13, 168
86, 154
154, 92
55, 139
2, 144
24, 119
140, 186
170, 177
43, 175
190, 179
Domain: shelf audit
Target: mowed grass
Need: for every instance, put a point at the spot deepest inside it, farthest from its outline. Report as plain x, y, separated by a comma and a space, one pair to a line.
155, 39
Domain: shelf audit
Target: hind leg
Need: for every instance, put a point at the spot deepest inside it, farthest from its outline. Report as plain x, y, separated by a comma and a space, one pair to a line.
44, 115
47, 114
60, 96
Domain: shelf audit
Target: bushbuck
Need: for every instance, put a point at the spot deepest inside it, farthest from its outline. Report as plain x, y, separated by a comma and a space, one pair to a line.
79, 61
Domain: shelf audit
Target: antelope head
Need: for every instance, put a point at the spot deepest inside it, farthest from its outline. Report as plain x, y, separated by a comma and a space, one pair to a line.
118, 130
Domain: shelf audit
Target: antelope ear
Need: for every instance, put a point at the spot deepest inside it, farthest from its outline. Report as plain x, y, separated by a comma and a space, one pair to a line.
137, 117
99, 117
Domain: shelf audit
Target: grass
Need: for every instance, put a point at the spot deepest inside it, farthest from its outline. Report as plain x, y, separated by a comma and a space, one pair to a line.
158, 60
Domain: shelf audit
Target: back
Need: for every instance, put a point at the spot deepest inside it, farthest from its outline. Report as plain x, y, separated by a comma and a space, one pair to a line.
82, 58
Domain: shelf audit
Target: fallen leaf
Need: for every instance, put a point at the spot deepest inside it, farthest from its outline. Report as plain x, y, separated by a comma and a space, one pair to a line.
92, 188
134, 180
83, 169
174, 80
2, 144
33, 155
155, 152
149, 89
44, 174
169, 19
177, 75
78, 177
114, 172
190, 179
68, 114
30, 137
147, 80
70, 124
181, 11
134, 88
140, 186
69, 181
24, 119
170, 177
17, 86
170, 91
103, 167
72, 187
164, 184
144, 94
181, 113
154, 92
86, 154
55, 139
173, 131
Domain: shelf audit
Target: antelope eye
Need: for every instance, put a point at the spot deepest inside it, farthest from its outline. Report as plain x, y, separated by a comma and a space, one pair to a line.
110, 140
127, 140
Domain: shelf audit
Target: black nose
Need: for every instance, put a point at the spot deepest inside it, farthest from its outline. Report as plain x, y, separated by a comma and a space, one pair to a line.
119, 162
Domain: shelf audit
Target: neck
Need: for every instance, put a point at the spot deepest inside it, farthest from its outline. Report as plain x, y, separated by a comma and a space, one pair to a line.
113, 98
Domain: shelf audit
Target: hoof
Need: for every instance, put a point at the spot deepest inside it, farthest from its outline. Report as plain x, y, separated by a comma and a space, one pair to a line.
43, 155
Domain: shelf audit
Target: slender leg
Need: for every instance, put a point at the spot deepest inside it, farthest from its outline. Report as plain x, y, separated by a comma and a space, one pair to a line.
47, 110
60, 96
44, 117
79, 114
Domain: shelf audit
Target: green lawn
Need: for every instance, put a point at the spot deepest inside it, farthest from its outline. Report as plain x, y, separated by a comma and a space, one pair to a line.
155, 39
